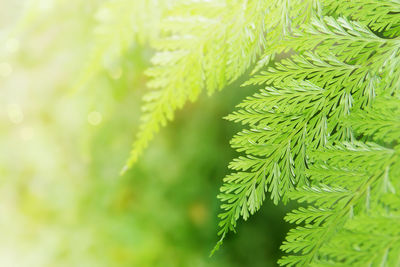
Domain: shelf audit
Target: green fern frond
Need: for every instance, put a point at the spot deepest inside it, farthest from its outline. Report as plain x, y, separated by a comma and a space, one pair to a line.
332, 105
195, 57
360, 197
379, 15
294, 116
220, 41
280, 120
367, 240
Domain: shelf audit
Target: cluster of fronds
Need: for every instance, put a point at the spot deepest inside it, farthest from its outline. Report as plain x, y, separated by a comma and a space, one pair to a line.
206, 45
325, 131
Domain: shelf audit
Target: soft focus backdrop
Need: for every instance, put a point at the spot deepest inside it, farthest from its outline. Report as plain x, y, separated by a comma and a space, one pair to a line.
71, 79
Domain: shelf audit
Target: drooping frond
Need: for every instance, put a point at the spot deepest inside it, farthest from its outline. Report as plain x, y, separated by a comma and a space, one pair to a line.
218, 43
379, 15
356, 181
285, 121
351, 179
324, 131
288, 119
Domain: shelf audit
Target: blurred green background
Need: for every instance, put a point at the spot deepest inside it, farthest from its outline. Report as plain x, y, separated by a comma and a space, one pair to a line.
71, 77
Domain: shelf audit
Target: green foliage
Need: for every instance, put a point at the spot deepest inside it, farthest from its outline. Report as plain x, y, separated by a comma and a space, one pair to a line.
209, 44
351, 182
379, 15
325, 131
64, 202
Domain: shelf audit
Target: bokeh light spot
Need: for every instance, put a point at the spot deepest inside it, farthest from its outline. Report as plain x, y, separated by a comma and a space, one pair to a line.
198, 213
26, 133
95, 118
5, 69
15, 113
12, 45
103, 14
116, 73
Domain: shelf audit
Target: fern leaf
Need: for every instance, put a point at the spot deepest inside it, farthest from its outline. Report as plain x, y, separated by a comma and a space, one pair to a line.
184, 68
226, 39
346, 207
334, 103
379, 15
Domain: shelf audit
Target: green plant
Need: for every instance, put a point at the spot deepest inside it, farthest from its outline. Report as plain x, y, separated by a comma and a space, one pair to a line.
324, 130
207, 45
